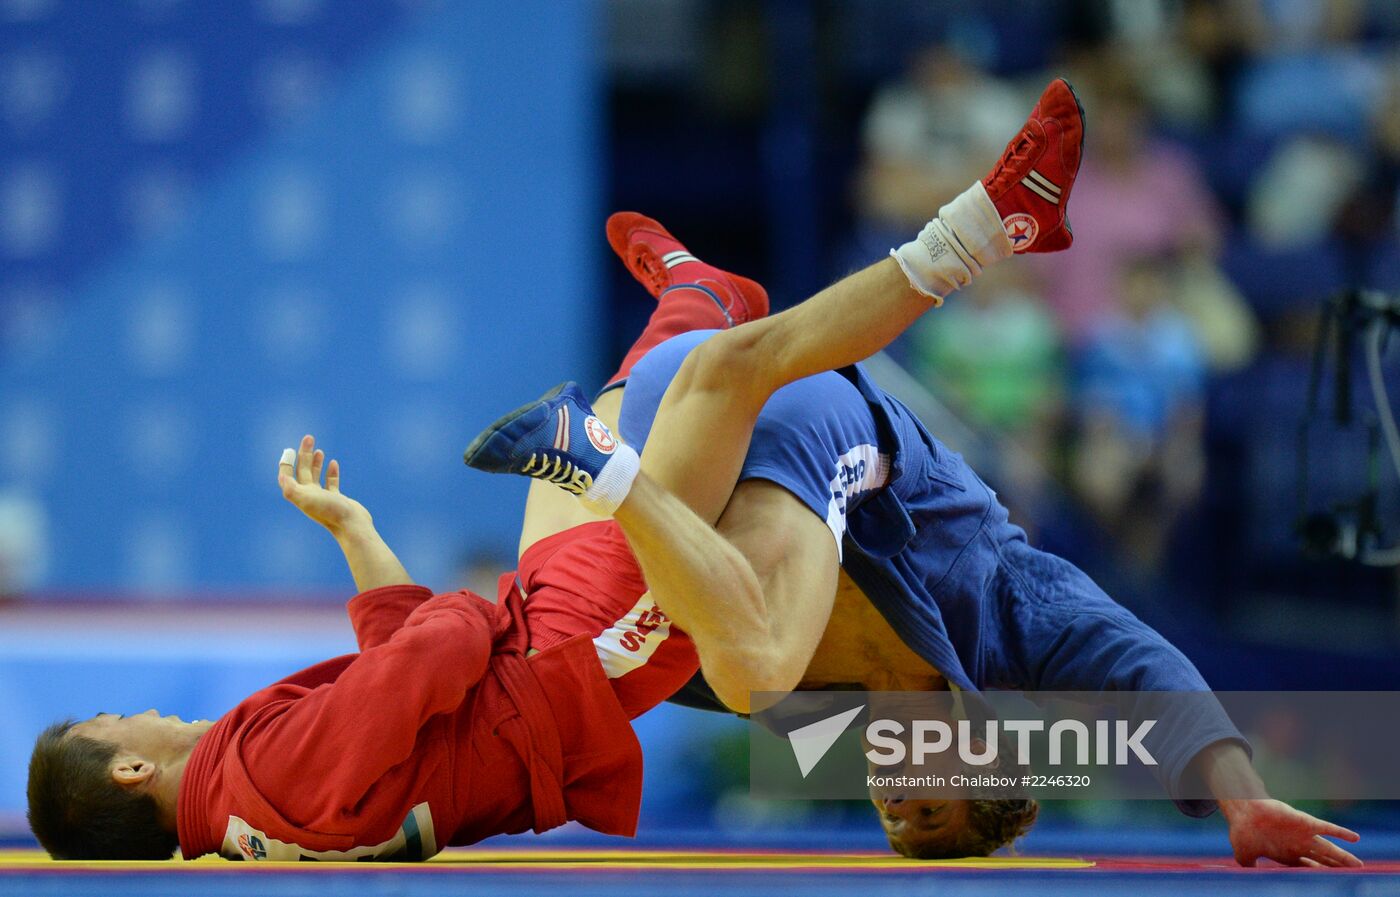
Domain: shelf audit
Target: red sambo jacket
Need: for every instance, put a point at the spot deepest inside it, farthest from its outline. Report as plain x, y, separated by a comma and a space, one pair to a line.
440, 731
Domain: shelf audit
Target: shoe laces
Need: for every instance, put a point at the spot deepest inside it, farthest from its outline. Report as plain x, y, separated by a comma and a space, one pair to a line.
1019, 150
555, 469
647, 262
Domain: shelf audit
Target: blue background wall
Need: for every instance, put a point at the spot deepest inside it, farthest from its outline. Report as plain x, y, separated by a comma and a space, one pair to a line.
355, 219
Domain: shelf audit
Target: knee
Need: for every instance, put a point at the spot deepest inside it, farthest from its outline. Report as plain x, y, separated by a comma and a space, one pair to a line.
737, 361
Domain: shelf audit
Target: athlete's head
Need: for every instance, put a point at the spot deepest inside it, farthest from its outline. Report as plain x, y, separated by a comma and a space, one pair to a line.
946, 829
105, 788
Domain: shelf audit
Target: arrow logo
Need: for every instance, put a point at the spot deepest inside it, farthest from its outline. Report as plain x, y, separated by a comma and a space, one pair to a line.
811, 742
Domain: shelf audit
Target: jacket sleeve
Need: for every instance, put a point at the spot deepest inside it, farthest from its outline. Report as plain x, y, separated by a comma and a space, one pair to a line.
1080, 640
323, 752
379, 613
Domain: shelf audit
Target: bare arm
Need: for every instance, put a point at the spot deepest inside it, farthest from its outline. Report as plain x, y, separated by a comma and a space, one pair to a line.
371, 561
754, 629
795, 559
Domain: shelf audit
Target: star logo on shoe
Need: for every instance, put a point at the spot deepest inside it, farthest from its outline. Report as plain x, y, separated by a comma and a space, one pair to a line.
599, 434
1021, 230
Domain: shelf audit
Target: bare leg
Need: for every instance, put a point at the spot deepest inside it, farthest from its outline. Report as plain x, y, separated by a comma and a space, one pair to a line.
706, 419
547, 509
741, 621
707, 585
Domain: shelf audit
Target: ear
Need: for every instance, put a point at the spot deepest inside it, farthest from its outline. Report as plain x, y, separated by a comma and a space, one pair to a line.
132, 771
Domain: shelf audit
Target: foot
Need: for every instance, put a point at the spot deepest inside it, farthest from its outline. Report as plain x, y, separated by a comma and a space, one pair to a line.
1030, 185
556, 438
661, 263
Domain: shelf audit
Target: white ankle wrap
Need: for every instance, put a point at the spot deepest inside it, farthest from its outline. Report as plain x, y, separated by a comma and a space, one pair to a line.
953, 248
613, 482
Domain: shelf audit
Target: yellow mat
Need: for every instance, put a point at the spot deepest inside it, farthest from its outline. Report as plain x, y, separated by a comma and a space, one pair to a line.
525, 860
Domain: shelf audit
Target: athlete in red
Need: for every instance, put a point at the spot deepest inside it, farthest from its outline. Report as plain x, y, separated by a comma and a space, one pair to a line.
458, 719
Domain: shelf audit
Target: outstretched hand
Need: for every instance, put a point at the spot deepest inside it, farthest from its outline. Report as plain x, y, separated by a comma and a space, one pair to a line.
1271, 829
301, 485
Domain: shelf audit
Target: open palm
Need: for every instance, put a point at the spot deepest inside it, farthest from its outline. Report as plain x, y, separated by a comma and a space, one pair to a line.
1271, 829
301, 485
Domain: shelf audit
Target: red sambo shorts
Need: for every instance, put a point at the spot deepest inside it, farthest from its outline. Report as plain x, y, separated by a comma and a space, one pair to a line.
585, 580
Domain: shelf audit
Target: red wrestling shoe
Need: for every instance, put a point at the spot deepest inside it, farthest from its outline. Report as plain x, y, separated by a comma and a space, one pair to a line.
1030, 185
661, 263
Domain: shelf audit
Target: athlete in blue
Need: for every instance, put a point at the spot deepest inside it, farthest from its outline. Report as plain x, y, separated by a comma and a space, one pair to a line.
776, 478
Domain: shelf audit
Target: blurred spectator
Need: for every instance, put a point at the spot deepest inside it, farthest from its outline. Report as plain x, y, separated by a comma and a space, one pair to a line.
1369, 216
931, 135
1298, 193
1218, 36
995, 350
1161, 41
1138, 405
1227, 330
1133, 196
1308, 70
1137, 195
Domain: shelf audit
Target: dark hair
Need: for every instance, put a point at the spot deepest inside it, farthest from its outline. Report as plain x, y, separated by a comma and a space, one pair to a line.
991, 824
78, 813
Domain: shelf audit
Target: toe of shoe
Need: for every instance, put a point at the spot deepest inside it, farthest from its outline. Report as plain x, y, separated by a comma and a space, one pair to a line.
622, 226
1060, 103
485, 453
495, 446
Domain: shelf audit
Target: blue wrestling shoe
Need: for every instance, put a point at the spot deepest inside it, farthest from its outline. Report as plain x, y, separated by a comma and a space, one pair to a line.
556, 438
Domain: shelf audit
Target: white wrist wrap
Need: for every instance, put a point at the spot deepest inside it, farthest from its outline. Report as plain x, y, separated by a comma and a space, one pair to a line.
613, 482
953, 248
